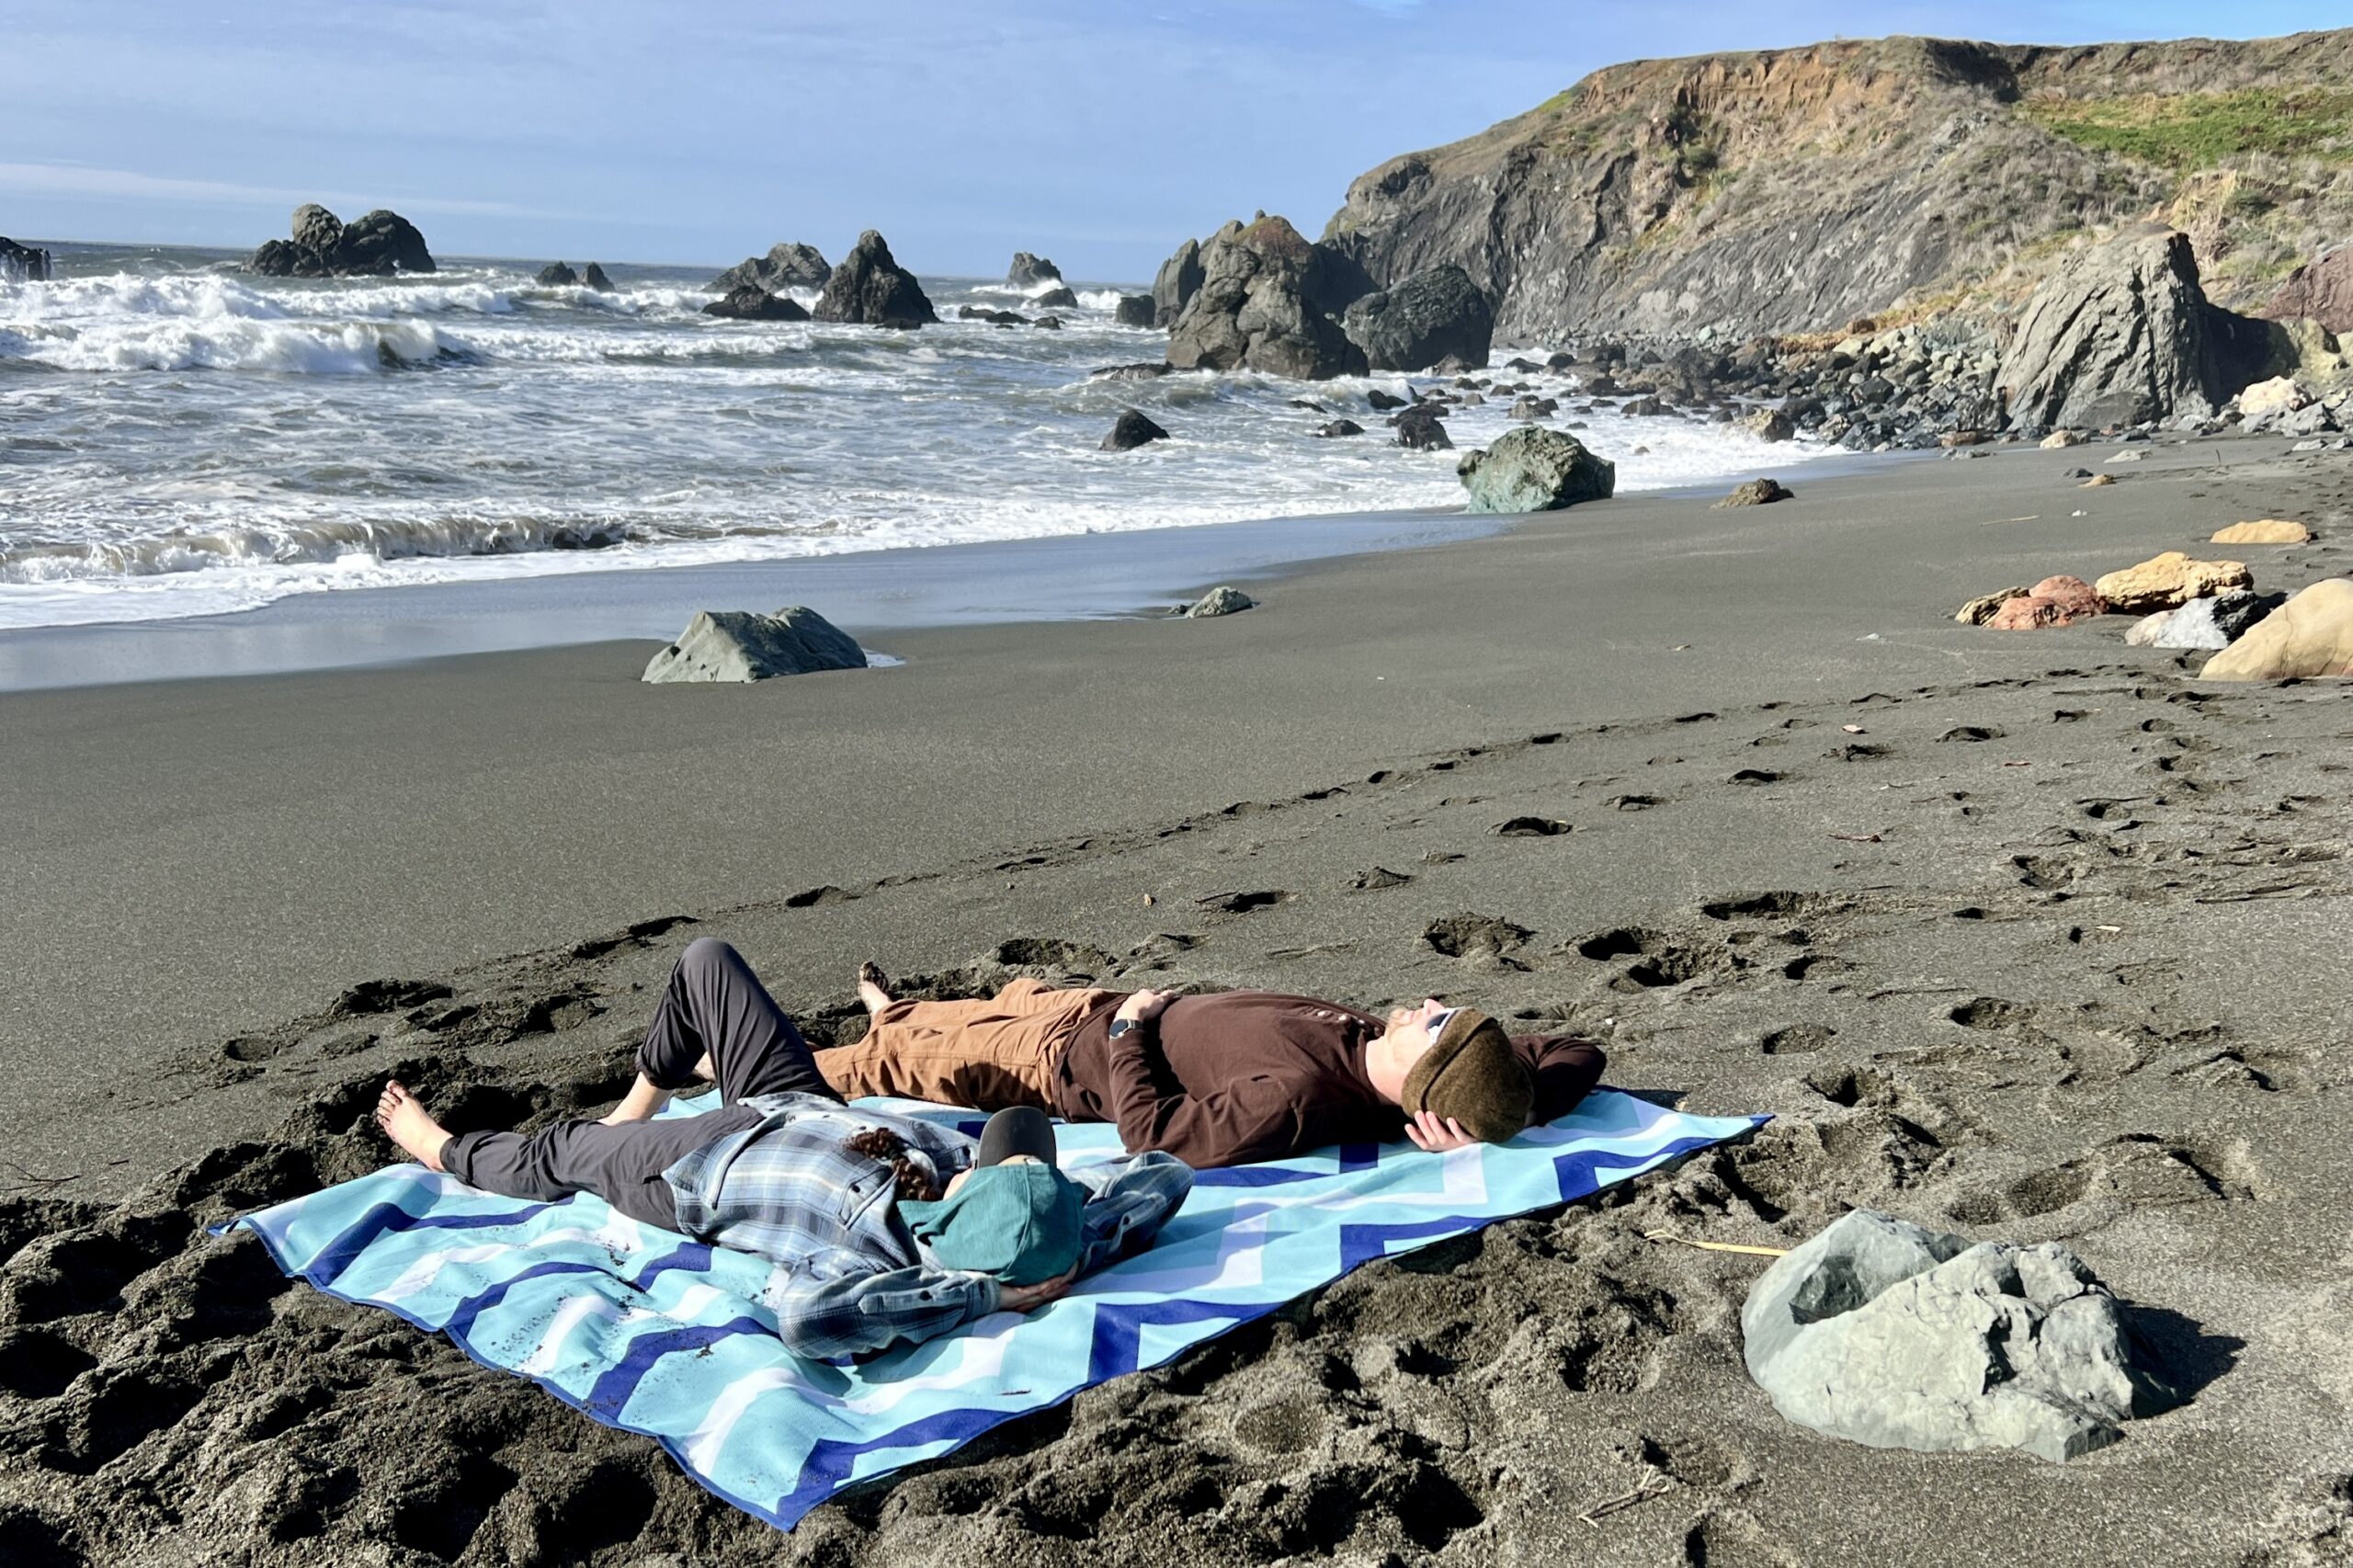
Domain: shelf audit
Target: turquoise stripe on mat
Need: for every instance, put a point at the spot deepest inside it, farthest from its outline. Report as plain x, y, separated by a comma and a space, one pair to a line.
651, 1333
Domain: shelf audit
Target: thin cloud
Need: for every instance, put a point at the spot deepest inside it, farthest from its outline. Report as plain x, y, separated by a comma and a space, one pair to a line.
129, 185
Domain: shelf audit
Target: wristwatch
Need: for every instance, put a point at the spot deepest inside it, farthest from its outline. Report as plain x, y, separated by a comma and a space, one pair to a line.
1121, 1026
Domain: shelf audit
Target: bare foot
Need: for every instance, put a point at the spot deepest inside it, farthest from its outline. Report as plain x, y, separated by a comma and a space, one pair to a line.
405, 1122
873, 986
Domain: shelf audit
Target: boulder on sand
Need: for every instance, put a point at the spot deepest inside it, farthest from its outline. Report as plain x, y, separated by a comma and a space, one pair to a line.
1535, 470
2215, 623
1768, 424
872, 288
2310, 636
1129, 431
752, 303
2059, 440
787, 266
1758, 493
2280, 394
1269, 301
377, 245
1981, 609
1224, 599
2265, 531
2054, 601
1432, 316
2166, 581
1028, 271
555, 275
1888, 1334
738, 645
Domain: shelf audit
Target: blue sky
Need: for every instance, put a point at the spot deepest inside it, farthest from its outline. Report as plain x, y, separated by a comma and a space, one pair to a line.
1095, 131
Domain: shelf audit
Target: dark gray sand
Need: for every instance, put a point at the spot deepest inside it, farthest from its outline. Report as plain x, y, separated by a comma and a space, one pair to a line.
2042, 947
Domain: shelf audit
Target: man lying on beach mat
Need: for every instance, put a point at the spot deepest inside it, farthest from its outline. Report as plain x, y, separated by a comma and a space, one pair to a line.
1223, 1079
882, 1228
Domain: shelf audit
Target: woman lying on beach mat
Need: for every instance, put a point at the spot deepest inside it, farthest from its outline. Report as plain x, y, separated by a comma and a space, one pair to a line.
882, 1228
1217, 1079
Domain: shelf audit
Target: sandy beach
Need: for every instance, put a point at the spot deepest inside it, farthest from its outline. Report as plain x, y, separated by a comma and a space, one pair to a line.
2024, 936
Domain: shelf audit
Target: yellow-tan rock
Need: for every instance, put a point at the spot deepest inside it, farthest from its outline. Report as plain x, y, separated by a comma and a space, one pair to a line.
2058, 438
2165, 582
2310, 636
2264, 530
2099, 479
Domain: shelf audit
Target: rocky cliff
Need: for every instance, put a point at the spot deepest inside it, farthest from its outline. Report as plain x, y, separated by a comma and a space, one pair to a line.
1793, 190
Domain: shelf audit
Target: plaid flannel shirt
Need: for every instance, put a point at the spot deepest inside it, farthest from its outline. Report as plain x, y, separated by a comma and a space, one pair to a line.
849, 1277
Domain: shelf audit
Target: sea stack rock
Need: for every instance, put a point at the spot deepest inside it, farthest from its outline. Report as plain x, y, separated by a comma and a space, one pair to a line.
1133, 310
595, 279
787, 266
869, 287
737, 645
1129, 431
1888, 1334
1535, 470
1432, 316
1059, 298
377, 245
1178, 281
555, 275
2120, 335
752, 303
1268, 301
22, 264
1028, 271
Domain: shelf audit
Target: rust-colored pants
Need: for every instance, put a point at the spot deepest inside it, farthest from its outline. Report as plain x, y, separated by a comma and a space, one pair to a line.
989, 1054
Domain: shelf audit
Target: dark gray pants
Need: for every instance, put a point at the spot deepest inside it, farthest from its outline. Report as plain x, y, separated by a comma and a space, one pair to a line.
714, 1004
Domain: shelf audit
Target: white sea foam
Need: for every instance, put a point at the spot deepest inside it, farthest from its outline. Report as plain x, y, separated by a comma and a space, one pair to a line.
473, 425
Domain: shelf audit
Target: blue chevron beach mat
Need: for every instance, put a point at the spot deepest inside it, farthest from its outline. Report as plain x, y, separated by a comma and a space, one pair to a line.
651, 1333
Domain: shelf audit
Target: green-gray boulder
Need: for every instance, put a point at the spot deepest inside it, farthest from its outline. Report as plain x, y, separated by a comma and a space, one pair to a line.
737, 645
1535, 470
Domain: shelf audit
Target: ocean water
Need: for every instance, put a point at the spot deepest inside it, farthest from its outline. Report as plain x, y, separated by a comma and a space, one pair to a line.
178, 439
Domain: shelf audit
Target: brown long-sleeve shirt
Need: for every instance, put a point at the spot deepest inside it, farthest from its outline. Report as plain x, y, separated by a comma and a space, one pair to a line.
1245, 1076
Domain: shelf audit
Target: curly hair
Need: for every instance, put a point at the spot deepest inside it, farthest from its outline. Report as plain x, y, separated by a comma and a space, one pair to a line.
912, 1181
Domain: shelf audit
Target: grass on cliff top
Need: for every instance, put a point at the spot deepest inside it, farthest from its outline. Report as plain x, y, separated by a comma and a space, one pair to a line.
2199, 130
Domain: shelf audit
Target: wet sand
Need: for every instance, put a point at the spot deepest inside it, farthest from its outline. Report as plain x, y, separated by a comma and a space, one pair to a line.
2045, 951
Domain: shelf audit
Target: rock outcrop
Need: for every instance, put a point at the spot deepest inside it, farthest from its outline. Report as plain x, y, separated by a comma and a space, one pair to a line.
1431, 317
556, 274
751, 303
738, 645
594, 277
1130, 430
1795, 190
2320, 291
2120, 334
1028, 271
2309, 637
1885, 1333
1178, 281
377, 245
1133, 310
1059, 298
22, 264
871, 287
787, 266
1270, 301
1535, 470
1419, 429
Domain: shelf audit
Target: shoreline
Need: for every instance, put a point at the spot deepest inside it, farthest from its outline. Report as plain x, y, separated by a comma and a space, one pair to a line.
2038, 950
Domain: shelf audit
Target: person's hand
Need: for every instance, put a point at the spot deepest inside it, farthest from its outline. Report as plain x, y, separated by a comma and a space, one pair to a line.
1428, 1132
1030, 1298
1145, 1005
